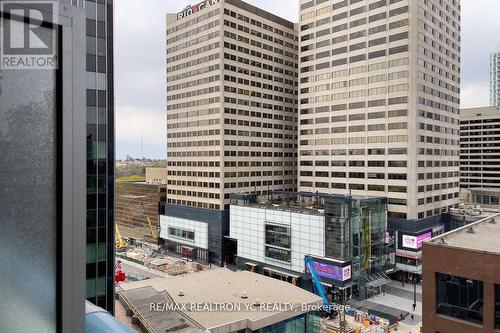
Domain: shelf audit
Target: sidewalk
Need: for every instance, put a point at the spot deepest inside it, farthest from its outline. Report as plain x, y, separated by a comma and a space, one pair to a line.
407, 287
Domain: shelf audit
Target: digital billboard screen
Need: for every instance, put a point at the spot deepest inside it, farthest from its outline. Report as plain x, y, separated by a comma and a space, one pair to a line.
329, 271
415, 242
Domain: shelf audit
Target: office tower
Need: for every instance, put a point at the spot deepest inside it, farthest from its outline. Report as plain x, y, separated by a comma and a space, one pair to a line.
231, 113
479, 153
379, 109
379, 97
100, 153
495, 77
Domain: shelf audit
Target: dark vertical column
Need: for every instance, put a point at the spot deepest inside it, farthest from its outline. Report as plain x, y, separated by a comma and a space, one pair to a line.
110, 286
100, 153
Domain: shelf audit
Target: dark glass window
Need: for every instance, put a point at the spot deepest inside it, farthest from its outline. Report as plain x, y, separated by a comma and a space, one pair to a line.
101, 64
101, 236
278, 254
91, 97
101, 98
91, 28
91, 201
278, 240
278, 235
460, 297
101, 29
186, 234
91, 236
91, 63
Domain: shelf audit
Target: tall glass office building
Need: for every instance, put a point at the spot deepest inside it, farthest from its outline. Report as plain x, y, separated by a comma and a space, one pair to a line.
100, 153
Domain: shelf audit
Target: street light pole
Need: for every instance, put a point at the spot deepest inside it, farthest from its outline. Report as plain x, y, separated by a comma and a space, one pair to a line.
414, 291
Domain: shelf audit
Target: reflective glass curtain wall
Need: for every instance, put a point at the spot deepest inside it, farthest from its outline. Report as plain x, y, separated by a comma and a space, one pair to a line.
355, 230
100, 153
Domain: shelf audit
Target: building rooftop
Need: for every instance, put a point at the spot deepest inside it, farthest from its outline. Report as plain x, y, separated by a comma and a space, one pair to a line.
223, 287
482, 236
249, 8
473, 113
297, 202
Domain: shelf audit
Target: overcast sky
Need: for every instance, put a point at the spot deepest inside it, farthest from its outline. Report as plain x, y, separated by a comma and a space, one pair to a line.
140, 64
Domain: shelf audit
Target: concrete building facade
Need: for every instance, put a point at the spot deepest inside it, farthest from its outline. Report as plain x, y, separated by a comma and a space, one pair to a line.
379, 102
488, 198
495, 77
156, 175
231, 108
461, 285
479, 148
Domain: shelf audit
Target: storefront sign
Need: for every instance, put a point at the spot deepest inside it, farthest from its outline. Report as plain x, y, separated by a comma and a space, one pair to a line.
190, 10
409, 254
346, 273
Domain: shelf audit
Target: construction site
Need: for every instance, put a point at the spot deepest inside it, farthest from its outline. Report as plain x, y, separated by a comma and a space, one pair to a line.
138, 206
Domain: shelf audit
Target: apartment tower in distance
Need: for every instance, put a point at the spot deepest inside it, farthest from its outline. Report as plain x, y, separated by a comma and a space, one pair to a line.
231, 119
480, 148
379, 109
495, 77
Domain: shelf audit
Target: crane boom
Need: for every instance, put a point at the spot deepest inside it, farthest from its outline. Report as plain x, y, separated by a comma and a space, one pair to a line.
149, 221
119, 243
320, 289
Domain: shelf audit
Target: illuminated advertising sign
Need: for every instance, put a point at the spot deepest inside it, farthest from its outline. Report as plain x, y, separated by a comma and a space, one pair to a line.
421, 238
190, 10
415, 242
332, 272
410, 242
346, 273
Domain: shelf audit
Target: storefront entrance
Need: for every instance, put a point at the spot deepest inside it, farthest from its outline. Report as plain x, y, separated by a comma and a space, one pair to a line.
187, 252
280, 275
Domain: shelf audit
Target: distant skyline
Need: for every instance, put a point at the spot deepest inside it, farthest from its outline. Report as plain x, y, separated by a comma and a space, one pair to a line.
140, 65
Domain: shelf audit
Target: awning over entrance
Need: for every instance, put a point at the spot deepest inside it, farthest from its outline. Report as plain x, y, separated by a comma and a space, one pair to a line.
376, 280
277, 271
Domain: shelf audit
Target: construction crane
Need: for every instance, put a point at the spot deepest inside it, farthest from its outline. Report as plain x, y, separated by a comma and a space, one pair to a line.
153, 236
320, 289
119, 242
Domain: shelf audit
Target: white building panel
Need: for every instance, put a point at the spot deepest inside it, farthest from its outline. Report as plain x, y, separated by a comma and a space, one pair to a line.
247, 225
200, 230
